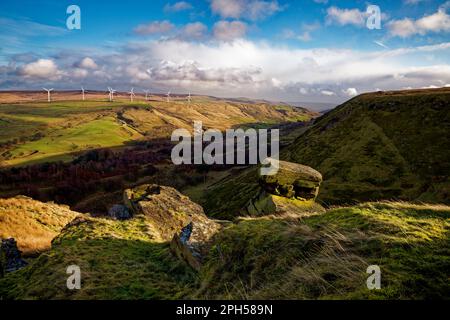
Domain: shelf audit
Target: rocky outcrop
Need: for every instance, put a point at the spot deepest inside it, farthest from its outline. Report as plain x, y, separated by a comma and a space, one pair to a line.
176, 219
293, 180
293, 188
10, 257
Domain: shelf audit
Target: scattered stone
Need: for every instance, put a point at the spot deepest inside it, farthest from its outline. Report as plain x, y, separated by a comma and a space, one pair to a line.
10, 257
119, 212
176, 219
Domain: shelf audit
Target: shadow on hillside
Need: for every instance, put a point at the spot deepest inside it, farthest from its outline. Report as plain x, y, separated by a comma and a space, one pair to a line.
116, 269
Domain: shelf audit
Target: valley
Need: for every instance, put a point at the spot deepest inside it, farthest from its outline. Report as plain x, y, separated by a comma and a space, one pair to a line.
379, 197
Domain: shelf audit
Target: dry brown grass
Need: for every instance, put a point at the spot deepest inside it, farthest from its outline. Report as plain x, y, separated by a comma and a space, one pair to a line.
32, 223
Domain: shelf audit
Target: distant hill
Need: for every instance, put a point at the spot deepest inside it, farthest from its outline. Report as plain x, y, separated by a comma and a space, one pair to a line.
375, 146
35, 131
380, 146
385, 145
316, 106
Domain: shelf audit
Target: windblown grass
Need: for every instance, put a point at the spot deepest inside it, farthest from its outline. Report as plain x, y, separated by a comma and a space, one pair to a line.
32, 223
325, 256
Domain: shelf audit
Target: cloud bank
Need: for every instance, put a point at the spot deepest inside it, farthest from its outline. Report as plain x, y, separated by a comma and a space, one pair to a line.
238, 68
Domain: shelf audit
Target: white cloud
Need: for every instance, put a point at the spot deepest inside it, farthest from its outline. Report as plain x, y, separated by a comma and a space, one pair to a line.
136, 74
440, 21
195, 30
327, 93
178, 6
290, 34
227, 8
227, 31
155, 27
42, 68
261, 9
87, 63
245, 68
190, 71
404, 28
248, 9
345, 16
277, 83
80, 73
303, 91
351, 92
305, 34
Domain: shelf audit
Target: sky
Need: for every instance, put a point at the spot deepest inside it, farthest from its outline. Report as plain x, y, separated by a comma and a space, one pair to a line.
321, 51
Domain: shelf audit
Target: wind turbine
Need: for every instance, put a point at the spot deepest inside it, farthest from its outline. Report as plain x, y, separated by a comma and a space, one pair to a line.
111, 94
146, 94
168, 96
82, 92
131, 94
48, 93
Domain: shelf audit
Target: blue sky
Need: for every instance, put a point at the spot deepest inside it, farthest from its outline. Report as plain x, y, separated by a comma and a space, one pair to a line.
305, 50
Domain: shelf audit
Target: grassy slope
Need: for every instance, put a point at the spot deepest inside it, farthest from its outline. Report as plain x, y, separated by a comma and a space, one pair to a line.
39, 131
105, 132
381, 146
314, 257
326, 256
225, 198
377, 146
118, 260
32, 223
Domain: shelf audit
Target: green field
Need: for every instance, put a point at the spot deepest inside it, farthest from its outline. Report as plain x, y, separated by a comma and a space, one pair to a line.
36, 132
60, 143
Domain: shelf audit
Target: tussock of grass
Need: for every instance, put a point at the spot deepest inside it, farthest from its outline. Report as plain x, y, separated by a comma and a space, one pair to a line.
325, 256
32, 223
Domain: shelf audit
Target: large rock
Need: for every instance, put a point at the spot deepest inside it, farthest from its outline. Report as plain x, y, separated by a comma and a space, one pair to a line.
293, 180
176, 219
293, 189
10, 256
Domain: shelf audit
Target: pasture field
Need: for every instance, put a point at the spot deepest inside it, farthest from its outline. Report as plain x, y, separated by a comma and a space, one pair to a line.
37, 131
